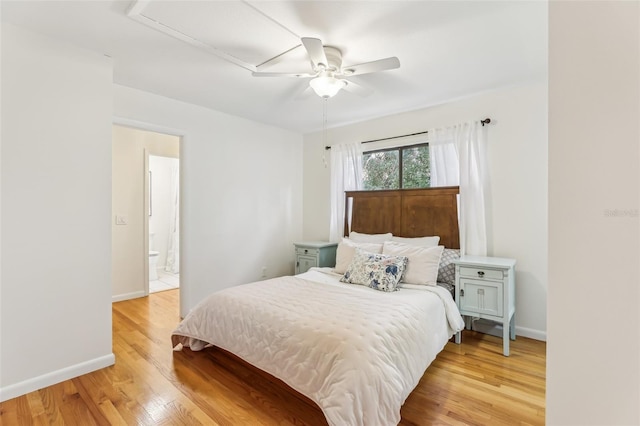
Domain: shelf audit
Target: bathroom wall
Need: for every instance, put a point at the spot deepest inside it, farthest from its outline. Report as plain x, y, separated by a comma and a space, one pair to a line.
161, 169
129, 256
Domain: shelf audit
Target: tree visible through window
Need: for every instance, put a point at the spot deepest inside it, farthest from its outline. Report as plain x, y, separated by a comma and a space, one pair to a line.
403, 167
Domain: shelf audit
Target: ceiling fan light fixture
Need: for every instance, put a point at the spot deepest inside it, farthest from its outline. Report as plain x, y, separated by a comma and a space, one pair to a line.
327, 86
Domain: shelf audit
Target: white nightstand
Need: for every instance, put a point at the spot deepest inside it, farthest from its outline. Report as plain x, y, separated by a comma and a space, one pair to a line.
485, 288
314, 253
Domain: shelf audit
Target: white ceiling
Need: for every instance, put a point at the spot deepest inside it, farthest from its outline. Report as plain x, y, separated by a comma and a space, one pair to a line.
447, 50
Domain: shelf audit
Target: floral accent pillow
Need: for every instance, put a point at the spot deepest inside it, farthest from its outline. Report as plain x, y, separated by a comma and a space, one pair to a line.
378, 271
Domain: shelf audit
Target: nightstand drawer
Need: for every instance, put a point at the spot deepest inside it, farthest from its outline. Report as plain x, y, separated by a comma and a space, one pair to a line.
481, 273
481, 297
307, 251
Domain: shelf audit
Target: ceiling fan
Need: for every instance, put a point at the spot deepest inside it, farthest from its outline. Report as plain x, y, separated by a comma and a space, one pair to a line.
328, 75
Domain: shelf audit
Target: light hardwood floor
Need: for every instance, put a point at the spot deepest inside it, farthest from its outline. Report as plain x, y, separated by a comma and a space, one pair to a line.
467, 384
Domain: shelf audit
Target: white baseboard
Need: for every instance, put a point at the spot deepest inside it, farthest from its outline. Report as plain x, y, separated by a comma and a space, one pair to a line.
531, 333
127, 296
495, 329
49, 379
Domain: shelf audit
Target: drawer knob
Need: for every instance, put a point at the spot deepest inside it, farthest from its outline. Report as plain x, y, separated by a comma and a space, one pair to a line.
306, 251
481, 273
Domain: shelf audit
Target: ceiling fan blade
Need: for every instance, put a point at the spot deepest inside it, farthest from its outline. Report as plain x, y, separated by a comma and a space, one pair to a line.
315, 49
357, 89
282, 74
373, 66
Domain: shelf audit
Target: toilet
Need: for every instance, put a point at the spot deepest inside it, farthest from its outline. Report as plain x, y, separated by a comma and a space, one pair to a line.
153, 265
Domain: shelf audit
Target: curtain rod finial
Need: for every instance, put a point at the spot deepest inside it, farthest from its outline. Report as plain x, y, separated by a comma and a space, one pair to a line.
485, 121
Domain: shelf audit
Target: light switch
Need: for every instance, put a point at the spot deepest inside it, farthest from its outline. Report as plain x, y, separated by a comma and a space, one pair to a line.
121, 220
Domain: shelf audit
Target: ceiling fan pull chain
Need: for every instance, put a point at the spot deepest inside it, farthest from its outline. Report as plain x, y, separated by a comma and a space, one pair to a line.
324, 130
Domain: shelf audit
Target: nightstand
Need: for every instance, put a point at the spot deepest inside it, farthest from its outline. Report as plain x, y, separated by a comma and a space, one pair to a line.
485, 288
314, 253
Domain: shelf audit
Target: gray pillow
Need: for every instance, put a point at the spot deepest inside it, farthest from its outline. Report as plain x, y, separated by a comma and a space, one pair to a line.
447, 270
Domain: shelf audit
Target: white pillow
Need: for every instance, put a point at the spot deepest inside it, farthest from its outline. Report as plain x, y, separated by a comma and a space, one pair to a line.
370, 238
347, 249
422, 267
419, 241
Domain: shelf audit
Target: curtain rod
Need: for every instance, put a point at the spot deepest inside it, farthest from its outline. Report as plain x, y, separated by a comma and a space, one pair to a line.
483, 122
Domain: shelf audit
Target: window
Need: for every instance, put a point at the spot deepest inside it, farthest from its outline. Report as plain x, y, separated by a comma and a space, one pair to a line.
395, 168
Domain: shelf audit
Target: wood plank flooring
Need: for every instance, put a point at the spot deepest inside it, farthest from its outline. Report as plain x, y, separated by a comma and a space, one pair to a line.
467, 384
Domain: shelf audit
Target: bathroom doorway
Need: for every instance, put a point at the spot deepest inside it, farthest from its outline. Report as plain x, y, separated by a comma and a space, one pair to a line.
164, 220
141, 195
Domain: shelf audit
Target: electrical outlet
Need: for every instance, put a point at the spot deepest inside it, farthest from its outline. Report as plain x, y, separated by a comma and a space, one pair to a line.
121, 220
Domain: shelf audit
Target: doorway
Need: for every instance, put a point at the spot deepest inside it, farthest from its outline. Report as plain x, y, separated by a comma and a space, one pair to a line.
164, 219
136, 205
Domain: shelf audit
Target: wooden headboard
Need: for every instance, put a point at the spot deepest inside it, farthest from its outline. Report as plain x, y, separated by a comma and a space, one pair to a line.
405, 213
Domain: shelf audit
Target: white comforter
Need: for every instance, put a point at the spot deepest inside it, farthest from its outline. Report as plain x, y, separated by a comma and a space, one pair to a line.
357, 352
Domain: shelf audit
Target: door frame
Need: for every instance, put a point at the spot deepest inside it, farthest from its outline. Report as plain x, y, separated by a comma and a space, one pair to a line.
140, 125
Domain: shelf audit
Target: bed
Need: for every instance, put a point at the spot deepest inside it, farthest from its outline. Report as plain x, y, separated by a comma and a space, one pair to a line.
355, 351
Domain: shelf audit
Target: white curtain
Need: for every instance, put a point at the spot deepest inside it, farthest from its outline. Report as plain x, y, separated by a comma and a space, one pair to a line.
457, 157
443, 157
346, 175
173, 248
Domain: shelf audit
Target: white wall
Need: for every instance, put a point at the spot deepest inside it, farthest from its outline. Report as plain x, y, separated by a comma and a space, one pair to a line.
241, 193
517, 201
130, 256
55, 308
594, 161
